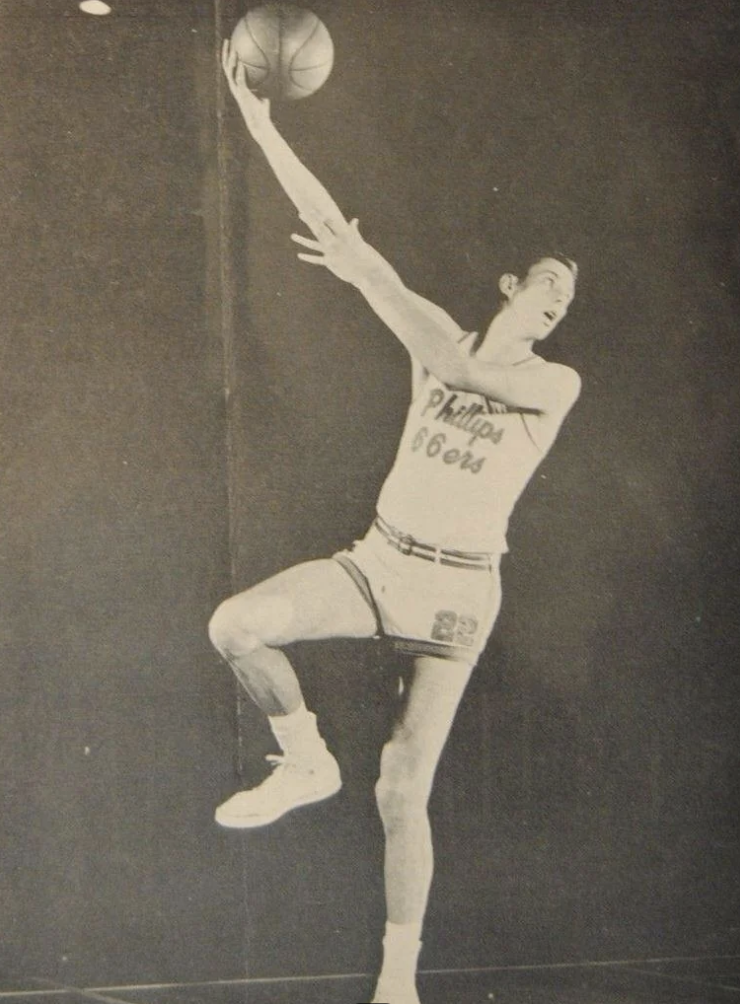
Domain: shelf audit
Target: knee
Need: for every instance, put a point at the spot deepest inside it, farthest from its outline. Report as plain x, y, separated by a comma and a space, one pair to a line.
225, 629
250, 621
402, 791
233, 630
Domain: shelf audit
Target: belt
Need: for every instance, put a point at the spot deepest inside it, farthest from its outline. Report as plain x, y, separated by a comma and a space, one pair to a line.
405, 544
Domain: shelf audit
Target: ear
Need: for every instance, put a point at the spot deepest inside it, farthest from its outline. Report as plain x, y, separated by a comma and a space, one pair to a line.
508, 284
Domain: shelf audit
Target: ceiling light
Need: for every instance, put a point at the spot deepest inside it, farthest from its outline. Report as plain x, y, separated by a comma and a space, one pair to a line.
94, 7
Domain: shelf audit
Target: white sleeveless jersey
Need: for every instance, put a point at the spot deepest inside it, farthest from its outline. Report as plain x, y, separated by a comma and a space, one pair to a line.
462, 463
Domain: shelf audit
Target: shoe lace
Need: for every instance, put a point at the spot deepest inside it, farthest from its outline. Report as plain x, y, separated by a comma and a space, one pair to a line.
280, 762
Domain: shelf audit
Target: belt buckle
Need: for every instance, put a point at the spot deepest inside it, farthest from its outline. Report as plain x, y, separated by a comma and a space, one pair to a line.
405, 544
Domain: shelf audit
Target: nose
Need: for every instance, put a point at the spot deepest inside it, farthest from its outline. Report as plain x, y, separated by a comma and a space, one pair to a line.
561, 300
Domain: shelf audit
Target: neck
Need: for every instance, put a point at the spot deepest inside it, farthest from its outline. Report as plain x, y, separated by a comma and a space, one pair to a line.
504, 342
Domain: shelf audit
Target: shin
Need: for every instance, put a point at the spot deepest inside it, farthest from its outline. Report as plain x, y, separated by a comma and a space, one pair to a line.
402, 795
241, 631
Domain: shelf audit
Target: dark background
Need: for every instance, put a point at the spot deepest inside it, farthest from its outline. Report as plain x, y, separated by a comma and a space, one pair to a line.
186, 409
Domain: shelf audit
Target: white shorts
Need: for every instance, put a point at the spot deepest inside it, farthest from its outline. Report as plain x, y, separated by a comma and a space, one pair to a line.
433, 605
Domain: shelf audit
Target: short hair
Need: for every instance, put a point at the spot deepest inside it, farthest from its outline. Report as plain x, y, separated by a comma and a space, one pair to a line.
569, 263
522, 262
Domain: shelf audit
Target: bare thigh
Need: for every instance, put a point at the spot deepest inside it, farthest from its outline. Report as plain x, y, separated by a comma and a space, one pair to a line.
308, 602
432, 701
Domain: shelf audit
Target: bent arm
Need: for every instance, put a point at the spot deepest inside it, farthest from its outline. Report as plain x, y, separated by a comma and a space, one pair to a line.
439, 316
425, 329
548, 389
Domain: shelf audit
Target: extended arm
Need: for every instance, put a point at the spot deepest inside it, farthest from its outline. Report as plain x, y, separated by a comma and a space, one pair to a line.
425, 330
308, 195
314, 204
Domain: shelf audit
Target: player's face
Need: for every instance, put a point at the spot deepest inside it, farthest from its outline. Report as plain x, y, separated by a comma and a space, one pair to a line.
541, 300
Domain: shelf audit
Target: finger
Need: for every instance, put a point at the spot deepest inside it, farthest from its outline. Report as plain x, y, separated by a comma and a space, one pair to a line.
307, 242
227, 58
231, 56
240, 76
311, 259
230, 66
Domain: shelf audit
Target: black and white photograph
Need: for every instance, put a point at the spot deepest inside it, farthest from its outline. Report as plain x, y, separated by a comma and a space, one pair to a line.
369, 493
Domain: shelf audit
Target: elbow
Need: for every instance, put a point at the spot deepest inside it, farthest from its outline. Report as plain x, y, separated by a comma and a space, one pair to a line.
571, 387
457, 373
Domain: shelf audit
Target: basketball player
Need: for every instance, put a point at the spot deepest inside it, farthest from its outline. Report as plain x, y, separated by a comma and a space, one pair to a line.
484, 412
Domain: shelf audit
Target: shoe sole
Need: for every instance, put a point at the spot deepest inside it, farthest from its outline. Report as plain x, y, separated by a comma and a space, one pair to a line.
254, 823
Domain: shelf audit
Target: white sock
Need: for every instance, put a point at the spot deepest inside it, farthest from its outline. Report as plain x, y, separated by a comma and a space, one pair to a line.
401, 947
296, 732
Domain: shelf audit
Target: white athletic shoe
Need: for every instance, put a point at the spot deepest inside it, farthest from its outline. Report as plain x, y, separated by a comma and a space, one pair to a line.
294, 782
395, 995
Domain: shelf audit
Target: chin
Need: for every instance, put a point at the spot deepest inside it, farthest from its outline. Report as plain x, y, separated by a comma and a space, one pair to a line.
548, 331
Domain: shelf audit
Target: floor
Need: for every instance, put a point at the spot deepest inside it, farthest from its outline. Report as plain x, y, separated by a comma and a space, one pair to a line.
651, 981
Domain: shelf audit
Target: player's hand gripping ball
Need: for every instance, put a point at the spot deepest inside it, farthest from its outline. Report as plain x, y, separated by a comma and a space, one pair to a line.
286, 51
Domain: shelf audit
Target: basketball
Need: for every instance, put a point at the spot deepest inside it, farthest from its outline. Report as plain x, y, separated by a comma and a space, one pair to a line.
287, 51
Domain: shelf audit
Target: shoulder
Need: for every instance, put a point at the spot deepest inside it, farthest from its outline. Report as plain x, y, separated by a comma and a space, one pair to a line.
563, 387
564, 383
